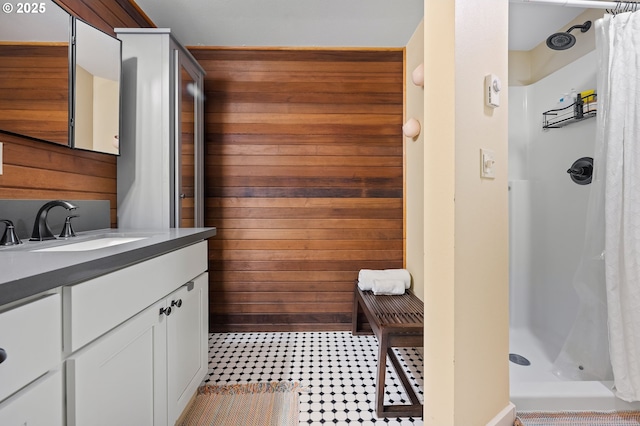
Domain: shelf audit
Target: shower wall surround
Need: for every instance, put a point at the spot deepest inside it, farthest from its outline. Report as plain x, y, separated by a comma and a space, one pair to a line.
547, 209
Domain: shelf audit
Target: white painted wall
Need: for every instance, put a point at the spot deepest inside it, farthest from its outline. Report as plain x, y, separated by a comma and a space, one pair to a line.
547, 209
414, 165
106, 125
83, 134
465, 217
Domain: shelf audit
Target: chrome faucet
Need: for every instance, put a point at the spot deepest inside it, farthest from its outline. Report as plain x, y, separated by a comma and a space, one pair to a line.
41, 230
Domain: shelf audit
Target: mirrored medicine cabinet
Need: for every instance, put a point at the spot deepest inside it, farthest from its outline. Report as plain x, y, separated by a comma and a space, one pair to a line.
54, 90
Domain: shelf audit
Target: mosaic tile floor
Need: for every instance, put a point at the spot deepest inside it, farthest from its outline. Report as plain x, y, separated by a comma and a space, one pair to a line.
338, 369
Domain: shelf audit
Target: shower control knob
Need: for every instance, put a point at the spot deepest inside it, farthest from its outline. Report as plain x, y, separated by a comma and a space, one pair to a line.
581, 171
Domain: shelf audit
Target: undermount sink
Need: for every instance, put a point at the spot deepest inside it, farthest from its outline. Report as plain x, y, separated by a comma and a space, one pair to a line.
94, 244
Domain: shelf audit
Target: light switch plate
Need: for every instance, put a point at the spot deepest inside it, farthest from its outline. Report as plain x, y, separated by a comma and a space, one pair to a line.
487, 164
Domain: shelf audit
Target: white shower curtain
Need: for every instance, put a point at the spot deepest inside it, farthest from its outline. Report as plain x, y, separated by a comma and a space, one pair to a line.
604, 342
585, 353
618, 45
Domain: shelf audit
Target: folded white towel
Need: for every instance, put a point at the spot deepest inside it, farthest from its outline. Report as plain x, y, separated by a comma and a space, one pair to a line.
366, 277
391, 287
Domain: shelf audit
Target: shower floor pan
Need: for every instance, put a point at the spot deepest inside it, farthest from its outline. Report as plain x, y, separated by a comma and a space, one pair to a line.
536, 388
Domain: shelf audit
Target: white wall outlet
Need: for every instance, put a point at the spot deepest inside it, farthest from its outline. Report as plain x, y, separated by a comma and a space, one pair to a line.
492, 87
487, 164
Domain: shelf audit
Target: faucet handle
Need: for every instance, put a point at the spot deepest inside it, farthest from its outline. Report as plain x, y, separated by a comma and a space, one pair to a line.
67, 230
9, 238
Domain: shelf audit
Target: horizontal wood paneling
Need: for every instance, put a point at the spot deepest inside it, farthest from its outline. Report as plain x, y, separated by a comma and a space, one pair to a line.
41, 170
35, 103
107, 14
304, 181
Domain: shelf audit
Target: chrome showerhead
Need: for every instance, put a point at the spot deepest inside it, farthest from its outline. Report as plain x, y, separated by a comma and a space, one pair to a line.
563, 41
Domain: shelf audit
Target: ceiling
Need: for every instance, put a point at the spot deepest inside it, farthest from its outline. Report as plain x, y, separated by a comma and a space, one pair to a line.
329, 23
531, 23
288, 23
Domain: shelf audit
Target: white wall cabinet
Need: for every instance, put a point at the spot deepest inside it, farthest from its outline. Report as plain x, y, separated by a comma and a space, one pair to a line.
160, 169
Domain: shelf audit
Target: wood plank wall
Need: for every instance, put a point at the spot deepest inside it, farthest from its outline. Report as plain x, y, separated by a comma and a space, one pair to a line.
41, 170
304, 181
107, 14
34, 90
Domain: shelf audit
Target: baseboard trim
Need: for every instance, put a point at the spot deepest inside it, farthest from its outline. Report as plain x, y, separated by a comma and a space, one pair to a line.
506, 417
217, 327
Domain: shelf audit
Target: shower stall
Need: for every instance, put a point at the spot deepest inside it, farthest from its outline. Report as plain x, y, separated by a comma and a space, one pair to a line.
547, 212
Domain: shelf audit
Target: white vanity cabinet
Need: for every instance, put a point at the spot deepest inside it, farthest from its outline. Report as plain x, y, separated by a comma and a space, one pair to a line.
143, 369
115, 380
160, 169
187, 343
39, 404
30, 350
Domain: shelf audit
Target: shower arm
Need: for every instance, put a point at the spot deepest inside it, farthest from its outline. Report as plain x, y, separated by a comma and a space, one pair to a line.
584, 27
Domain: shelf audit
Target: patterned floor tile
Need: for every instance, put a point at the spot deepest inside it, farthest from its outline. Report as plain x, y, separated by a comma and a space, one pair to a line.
338, 369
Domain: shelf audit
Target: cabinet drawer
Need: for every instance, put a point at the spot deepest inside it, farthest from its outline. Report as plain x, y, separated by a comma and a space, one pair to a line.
96, 306
31, 338
39, 404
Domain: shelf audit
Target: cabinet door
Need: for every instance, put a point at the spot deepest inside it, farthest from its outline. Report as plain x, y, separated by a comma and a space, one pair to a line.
187, 343
188, 142
39, 404
120, 378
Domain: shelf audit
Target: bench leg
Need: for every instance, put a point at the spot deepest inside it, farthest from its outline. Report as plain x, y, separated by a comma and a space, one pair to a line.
381, 374
412, 410
355, 326
403, 378
358, 325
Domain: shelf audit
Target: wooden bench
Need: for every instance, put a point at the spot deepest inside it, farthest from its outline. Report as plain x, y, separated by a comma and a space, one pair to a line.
396, 321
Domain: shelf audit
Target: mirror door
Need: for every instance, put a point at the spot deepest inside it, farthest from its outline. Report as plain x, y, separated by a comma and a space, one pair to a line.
96, 89
187, 150
188, 211
34, 71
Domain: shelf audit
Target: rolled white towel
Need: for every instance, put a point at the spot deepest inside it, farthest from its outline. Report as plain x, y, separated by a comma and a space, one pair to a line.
390, 287
366, 277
